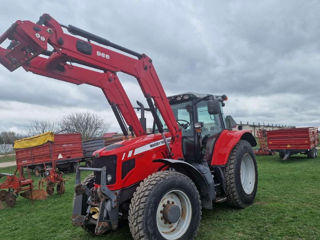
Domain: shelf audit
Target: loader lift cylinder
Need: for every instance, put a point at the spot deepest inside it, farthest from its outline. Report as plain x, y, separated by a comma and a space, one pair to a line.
90, 36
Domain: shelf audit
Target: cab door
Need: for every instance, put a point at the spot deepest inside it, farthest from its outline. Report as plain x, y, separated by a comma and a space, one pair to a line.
212, 126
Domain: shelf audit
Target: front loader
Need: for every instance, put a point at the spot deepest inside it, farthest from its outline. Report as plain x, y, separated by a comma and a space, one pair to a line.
159, 181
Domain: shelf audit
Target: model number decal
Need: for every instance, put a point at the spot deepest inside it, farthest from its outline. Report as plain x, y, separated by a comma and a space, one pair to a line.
103, 55
150, 146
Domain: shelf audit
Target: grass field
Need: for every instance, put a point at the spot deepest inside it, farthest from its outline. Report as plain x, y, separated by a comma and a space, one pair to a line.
287, 206
7, 158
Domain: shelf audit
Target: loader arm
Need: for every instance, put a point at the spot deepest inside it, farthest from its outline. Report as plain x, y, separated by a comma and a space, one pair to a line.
43, 48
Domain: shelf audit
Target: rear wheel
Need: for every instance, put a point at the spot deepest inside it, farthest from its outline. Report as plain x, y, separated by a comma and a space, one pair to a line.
241, 176
166, 205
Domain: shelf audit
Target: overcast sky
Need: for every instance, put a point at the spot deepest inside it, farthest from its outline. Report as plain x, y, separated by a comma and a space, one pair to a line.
265, 55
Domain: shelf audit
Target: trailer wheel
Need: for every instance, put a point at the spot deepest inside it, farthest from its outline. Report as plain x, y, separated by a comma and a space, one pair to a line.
282, 154
37, 171
50, 188
3, 195
241, 176
313, 153
61, 188
10, 199
166, 205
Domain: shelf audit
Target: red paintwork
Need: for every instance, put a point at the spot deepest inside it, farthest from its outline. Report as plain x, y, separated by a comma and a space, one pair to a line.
69, 145
17, 184
293, 138
142, 69
144, 165
224, 145
106, 79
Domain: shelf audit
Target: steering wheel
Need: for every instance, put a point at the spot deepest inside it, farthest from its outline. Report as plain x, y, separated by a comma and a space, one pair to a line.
183, 125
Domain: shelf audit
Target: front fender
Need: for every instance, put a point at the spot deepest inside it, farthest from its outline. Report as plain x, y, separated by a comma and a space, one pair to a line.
199, 174
226, 142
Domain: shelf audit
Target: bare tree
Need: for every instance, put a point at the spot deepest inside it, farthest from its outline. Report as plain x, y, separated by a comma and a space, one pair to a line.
39, 127
88, 124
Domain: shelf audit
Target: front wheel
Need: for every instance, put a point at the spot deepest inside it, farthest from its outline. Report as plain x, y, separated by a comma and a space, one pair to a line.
166, 205
241, 176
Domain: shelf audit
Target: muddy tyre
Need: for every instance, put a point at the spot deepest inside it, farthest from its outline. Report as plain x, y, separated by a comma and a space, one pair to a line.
166, 205
241, 176
3, 195
89, 183
10, 199
61, 188
50, 188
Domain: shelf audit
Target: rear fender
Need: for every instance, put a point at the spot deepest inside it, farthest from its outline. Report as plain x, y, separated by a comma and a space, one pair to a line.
199, 174
226, 142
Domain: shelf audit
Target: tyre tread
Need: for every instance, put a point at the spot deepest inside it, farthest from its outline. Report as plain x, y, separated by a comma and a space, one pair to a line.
140, 198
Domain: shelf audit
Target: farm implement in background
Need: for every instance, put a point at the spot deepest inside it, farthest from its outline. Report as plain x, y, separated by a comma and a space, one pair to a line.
263, 143
17, 184
30, 151
291, 141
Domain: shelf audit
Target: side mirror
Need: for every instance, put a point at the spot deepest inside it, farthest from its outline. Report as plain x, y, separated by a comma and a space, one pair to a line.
214, 106
230, 122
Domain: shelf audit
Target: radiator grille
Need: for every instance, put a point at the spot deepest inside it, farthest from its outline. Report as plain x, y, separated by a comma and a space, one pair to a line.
110, 162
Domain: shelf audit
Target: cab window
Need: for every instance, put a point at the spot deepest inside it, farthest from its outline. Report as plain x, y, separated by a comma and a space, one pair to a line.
211, 123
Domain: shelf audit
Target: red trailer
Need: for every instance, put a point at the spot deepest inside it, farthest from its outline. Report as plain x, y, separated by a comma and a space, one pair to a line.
291, 141
38, 152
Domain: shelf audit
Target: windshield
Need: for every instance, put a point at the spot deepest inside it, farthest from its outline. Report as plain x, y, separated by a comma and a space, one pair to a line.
182, 112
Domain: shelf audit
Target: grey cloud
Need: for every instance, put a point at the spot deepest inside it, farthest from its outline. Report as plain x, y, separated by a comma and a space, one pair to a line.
241, 48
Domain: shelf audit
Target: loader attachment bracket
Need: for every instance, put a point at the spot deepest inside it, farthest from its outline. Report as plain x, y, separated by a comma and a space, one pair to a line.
108, 207
26, 43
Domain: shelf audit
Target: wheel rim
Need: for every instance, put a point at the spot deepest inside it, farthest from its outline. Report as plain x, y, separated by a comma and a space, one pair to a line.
247, 173
175, 230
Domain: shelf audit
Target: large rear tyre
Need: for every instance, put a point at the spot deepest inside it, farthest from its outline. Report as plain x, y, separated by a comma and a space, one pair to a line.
166, 205
241, 176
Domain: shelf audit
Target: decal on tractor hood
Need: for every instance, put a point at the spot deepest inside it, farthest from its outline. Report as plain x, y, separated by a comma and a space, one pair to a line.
150, 146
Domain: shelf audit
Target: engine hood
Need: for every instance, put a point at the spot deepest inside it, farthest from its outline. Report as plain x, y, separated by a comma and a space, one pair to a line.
133, 144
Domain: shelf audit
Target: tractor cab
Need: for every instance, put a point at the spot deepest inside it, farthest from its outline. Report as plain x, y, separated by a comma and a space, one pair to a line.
201, 120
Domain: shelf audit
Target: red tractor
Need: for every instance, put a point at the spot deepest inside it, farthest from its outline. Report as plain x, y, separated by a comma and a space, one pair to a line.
160, 181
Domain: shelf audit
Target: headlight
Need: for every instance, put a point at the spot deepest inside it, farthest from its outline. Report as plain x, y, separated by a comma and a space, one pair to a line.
109, 178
